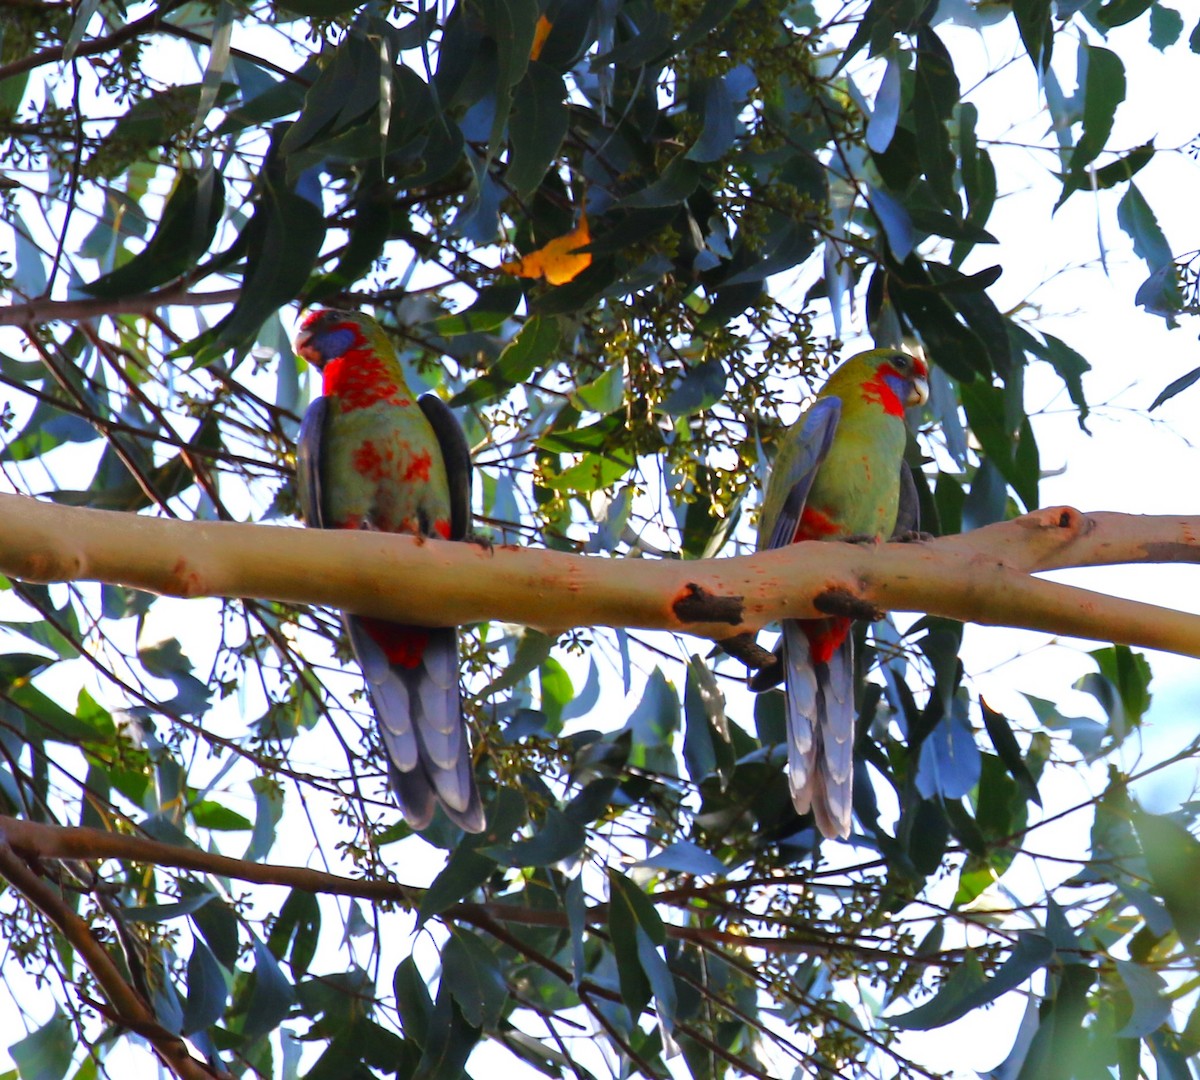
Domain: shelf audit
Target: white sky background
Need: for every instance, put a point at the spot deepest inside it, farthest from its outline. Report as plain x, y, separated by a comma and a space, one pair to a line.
1131, 463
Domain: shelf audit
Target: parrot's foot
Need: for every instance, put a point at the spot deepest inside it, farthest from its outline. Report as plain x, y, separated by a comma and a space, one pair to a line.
767, 677
858, 538
844, 603
696, 604
745, 648
479, 540
912, 536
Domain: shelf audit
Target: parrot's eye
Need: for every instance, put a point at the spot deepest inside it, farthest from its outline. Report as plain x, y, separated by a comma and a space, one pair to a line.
900, 362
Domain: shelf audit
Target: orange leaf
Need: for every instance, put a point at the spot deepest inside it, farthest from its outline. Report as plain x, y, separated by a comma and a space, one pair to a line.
557, 262
540, 33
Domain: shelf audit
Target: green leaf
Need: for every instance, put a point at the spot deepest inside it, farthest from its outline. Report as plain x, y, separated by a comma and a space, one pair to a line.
532, 348
344, 95
719, 122
968, 989
593, 473
537, 127
208, 991
468, 867
1130, 673
684, 857
299, 923
412, 1000
630, 910
653, 724
604, 394
1037, 30
283, 240
1060, 1031
556, 692
935, 95
219, 925
1104, 90
1005, 742
449, 1040
700, 388
212, 815
533, 649
45, 1054
1119, 12
511, 25
493, 306
1176, 386
79, 25
1173, 861
188, 224
662, 985
985, 414
559, 838
265, 98
1166, 26
272, 997
940, 223
1069, 365
472, 973
706, 731
268, 809
1137, 219
157, 913
218, 62
1151, 1007
678, 180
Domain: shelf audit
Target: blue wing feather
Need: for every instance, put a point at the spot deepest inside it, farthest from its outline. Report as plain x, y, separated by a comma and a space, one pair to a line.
456, 455
308, 463
816, 436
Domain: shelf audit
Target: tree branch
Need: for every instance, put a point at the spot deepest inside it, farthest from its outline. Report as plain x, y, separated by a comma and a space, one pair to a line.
97, 45
44, 311
981, 576
129, 1007
34, 841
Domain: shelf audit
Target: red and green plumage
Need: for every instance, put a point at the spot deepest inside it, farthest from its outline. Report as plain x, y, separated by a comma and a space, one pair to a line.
837, 475
370, 456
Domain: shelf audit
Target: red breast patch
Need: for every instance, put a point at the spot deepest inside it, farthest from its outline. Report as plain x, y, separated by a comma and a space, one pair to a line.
418, 467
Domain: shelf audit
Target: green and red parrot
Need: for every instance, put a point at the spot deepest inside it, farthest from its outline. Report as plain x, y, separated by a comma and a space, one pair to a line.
371, 457
838, 475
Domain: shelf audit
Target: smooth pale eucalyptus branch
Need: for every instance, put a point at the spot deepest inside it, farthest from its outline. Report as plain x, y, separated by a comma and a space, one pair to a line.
982, 576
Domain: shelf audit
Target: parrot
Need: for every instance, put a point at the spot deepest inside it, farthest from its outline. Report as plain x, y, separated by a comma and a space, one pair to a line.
839, 475
370, 457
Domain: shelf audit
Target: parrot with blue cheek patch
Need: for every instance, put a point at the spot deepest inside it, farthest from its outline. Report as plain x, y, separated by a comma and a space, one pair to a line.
371, 457
838, 475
